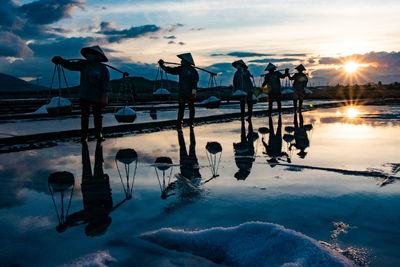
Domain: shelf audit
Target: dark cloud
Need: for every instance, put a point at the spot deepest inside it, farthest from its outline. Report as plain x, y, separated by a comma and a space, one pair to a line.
198, 29
242, 54
267, 60
12, 45
181, 43
329, 60
311, 60
294, 55
170, 37
50, 11
68, 47
116, 35
171, 42
173, 27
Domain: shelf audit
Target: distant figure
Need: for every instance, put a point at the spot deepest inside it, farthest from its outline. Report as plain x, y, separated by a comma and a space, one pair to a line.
242, 81
274, 147
299, 85
188, 79
96, 195
94, 81
272, 79
300, 136
244, 151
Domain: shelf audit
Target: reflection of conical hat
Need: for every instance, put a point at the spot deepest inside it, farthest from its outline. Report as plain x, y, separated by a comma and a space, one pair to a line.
239, 62
300, 67
94, 50
188, 57
270, 66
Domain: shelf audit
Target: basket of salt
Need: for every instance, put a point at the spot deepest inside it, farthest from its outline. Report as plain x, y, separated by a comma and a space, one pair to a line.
162, 94
212, 102
125, 115
59, 106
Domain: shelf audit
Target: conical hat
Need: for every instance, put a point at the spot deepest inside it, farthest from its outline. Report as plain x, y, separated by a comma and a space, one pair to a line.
94, 50
300, 67
270, 66
188, 57
239, 62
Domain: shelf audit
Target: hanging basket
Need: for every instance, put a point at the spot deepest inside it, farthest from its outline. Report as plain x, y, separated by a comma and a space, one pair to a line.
163, 163
287, 91
211, 102
125, 115
59, 106
239, 94
262, 97
254, 99
60, 181
288, 138
126, 156
289, 129
214, 147
162, 94
263, 130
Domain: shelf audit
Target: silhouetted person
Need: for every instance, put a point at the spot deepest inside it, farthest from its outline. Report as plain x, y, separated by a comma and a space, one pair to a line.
93, 84
188, 79
188, 161
96, 194
242, 81
274, 147
300, 135
244, 151
272, 79
299, 85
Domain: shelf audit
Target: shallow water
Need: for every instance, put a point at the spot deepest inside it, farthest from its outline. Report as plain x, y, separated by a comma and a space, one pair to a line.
355, 213
34, 126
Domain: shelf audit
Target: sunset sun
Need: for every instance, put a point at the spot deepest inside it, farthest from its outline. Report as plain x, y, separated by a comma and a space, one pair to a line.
351, 66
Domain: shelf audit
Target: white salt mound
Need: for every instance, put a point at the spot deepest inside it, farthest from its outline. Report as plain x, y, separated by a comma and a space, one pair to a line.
250, 244
41, 110
59, 101
239, 93
162, 91
126, 111
97, 259
213, 99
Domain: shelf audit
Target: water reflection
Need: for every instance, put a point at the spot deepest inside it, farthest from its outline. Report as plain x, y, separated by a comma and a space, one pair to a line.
127, 157
300, 136
244, 151
61, 187
214, 153
163, 164
274, 146
96, 195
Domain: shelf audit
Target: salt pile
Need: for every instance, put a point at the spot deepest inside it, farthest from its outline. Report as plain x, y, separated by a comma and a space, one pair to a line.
162, 91
125, 114
250, 244
41, 110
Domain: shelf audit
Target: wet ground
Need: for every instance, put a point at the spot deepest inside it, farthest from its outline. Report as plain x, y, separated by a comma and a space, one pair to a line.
43, 125
261, 176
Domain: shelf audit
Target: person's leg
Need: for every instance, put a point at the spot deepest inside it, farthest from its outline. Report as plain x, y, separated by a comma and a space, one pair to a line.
295, 105
270, 102
85, 112
300, 104
242, 108
191, 112
278, 100
181, 111
98, 120
250, 106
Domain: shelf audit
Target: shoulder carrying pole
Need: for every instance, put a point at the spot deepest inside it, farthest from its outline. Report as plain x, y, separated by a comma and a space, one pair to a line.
210, 72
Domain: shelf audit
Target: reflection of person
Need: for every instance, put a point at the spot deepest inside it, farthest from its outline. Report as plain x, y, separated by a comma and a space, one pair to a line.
300, 136
188, 79
188, 161
242, 81
274, 146
244, 151
96, 193
299, 85
93, 84
272, 79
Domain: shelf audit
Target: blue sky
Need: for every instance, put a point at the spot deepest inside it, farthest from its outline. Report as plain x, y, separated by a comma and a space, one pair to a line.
323, 35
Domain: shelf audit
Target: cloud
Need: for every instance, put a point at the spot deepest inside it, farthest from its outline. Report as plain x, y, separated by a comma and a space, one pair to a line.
242, 54
267, 60
173, 27
170, 37
181, 43
116, 35
329, 60
12, 45
49, 11
171, 42
295, 55
198, 29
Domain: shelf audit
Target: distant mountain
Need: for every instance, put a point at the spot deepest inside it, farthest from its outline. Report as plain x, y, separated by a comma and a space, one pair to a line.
13, 84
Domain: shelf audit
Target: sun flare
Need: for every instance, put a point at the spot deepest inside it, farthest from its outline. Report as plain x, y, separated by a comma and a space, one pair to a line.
351, 66
352, 112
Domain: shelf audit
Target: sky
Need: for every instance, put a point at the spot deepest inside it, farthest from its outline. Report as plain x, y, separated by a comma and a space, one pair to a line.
322, 35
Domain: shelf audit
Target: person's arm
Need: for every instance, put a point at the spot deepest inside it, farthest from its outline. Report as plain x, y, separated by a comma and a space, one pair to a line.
170, 70
265, 81
105, 79
69, 65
